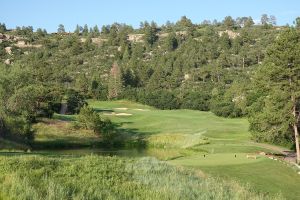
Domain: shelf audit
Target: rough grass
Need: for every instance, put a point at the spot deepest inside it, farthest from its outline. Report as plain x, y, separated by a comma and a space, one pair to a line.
53, 133
174, 140
95, 177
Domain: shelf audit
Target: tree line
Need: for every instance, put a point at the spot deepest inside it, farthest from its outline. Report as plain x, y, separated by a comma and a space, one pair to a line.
232, 68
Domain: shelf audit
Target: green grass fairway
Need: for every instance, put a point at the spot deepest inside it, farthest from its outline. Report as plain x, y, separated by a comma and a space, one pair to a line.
227, 137
153, 121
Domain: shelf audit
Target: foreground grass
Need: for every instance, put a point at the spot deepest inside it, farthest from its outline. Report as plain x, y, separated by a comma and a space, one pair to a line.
96, 177
265, 175
182, 137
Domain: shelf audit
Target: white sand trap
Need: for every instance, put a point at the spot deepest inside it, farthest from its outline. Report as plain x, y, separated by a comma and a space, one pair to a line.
122, 108
112, 113
123, 114
138, 109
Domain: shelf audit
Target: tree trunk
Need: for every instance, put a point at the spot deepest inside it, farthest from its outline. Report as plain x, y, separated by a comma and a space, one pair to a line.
295, 127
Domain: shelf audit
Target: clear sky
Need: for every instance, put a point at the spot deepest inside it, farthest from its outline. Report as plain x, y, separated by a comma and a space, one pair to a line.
49, 13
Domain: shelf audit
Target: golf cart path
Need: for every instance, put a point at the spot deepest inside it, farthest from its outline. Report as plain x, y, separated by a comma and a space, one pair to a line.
289, 155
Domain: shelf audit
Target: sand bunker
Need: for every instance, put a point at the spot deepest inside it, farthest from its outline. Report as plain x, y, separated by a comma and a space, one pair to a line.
123, 114
122, 108
118, 114
138, 109
112, 113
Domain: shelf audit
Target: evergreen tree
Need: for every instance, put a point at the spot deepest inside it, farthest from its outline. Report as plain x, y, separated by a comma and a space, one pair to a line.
96, 30
105, 30
275, 115
115, 83
78, 29
297, 22
150, 33
61, 29
85, 30
171, 42
229, 22
249, 22
2, 28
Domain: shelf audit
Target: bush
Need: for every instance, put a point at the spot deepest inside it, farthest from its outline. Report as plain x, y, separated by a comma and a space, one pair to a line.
196, 101
162, 99
89, 119
75, 101
17, 128
224, 108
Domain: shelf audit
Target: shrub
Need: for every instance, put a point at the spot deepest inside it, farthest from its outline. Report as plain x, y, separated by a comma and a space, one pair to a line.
196, 101
89, 119
75, 101
162, 99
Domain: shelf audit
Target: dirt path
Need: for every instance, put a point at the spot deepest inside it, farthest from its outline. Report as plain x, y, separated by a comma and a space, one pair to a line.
289, 156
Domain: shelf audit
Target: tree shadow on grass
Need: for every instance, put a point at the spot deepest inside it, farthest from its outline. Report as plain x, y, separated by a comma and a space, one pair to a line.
130, 137
100, 110
68, 118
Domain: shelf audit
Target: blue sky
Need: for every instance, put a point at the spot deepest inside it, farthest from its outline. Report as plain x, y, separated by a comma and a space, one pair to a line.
49, 13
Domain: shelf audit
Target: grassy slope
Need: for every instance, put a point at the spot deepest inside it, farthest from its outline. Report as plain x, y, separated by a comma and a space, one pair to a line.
227, 137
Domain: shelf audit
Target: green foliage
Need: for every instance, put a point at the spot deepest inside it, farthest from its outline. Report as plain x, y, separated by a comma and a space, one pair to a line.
277, 87
90, 119
61, 28
162, 99
223, 105
2, 27
75, 101
171, 42
229, 22
150, 32
196, 100
297, 22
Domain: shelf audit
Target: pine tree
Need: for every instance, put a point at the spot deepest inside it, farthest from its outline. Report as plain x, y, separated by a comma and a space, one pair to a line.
276, 112
115, 83
61, 28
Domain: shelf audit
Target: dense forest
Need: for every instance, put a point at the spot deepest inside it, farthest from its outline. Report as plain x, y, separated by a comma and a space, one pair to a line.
232, 68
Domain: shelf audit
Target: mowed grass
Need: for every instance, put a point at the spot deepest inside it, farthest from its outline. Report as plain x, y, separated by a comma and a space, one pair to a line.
227, 138
169, 128
153, 121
